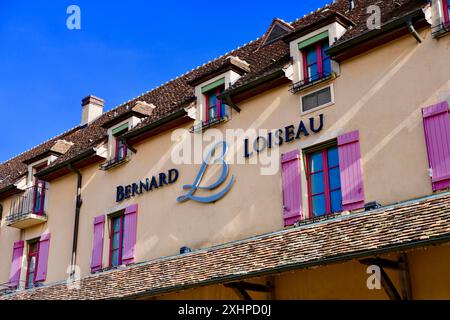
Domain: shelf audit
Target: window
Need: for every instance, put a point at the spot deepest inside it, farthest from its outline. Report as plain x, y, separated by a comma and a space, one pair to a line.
316, 99
214, 107
446, 4
316, 63
38, 192
324, 182
121, 148
39, 197
117, 237
32, 261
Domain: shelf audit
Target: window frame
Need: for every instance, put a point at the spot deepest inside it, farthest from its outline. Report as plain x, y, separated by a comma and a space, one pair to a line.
30, 255
307, 93
119, 147
446, 7
323, 148
217, 91
111, 218
36, 185
319, 61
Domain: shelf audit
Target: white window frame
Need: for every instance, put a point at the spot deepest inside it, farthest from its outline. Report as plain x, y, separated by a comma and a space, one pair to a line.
326, 105
335, 31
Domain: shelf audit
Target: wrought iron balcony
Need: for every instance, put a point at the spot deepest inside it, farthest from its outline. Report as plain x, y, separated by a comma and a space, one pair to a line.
311, 81
27, 209
211, 122
440, 29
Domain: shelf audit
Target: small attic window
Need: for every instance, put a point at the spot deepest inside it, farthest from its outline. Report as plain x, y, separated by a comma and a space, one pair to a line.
316, 63
120, 152
214, 107
277, 30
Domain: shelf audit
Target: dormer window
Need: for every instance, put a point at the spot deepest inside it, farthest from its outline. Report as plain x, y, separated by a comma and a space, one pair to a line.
120, 123
215, 109
121, 149
211, 110
118, 149
311, 65
441, 18
316, 62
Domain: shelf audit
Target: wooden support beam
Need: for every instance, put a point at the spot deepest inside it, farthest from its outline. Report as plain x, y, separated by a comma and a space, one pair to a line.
402, 267
241, 288
241, 293
271, 285
389, 286
385, 263
405, 277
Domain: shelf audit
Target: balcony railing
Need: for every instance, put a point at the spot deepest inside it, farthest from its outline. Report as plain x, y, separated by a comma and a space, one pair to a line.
116, 161
311, 81
211, 122
440, 29
27, 209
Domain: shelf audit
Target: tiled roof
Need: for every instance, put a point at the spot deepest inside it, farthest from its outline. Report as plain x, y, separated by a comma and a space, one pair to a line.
404, 226
176, 94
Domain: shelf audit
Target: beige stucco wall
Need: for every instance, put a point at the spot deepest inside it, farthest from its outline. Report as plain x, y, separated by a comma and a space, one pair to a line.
7, 238
379, 93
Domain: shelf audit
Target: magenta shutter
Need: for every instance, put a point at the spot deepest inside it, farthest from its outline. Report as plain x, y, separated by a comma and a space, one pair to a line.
351, 173
290, 172
14, 276
437, 135
44, 247
129, 241
97, 247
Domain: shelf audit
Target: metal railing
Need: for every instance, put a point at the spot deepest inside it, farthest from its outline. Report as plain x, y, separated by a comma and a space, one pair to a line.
211, 122
440, 29
32, 201
311, 81
115, 161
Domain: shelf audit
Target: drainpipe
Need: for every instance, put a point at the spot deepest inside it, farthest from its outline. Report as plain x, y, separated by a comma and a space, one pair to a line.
77, 218
412, 30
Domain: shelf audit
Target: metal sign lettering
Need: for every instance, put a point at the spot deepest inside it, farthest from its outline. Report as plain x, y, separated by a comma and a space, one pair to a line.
224, 174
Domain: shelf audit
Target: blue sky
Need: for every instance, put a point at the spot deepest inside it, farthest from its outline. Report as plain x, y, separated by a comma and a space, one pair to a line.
124, 48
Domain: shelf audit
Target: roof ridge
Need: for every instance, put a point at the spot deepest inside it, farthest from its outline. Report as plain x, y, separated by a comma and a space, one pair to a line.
312, 12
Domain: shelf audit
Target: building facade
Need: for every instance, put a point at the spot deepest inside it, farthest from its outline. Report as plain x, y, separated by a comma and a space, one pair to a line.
312, 163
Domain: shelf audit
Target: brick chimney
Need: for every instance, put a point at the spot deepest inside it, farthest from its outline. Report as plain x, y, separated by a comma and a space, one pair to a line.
92, 108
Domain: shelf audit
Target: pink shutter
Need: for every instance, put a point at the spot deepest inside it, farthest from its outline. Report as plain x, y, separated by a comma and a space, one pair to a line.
14, 276
97, 247
437, 135
290, 172
351, 173
129, 241
44, 247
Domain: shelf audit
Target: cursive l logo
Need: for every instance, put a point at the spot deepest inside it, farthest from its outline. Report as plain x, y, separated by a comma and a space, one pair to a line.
196, 186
